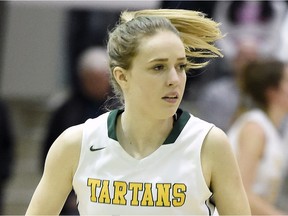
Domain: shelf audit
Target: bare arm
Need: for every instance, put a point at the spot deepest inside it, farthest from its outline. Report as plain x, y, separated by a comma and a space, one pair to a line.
222, 175
56, 182
248, 158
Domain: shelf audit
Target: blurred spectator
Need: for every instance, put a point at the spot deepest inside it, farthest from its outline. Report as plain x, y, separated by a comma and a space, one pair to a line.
282, 54
219, 98
255, 134
283, 196
6, 150
259, 21
86, 28
88, 103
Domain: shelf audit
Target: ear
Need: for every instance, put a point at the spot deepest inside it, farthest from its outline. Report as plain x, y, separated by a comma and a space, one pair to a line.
120, 76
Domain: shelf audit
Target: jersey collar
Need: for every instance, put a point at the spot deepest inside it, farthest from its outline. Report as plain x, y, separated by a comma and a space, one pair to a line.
179, 124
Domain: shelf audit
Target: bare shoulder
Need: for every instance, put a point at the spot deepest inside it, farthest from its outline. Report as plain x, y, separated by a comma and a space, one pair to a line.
254, 129
217, 149
252, 132
216, 141
72, 136
216, 153
66, 148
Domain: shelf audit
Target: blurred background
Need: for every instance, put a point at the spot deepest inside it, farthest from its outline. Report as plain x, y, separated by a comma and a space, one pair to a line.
40, 42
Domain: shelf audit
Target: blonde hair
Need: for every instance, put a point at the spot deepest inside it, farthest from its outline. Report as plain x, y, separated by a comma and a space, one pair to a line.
197, 32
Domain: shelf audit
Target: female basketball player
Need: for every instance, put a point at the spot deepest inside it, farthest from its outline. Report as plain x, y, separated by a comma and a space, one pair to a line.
255, 134
149, 157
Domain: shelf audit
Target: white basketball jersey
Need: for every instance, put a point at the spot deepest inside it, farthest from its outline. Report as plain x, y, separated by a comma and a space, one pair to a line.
271, 167
108, 181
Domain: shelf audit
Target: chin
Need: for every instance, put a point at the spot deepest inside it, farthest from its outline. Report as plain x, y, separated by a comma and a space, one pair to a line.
171, 111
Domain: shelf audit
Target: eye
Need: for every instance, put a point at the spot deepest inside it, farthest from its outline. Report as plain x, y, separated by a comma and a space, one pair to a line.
181, 67
158, 67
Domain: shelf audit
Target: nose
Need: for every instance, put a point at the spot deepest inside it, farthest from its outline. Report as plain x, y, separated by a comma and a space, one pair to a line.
173, 77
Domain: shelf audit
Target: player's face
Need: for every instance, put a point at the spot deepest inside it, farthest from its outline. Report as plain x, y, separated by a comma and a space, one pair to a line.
157, 75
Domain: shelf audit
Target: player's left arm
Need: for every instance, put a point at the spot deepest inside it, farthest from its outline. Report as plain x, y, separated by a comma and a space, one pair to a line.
224, 176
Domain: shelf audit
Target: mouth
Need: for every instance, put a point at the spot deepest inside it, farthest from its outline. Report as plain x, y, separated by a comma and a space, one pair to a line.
173, 98
170, 97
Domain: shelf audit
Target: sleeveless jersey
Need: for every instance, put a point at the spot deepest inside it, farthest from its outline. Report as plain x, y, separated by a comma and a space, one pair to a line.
271, 166
108, 181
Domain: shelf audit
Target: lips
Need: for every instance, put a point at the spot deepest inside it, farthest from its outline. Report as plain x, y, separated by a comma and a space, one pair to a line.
171, 97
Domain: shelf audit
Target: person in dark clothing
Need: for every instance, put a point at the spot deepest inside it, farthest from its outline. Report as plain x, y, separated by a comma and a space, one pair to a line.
89, 102
6, 150
75, 110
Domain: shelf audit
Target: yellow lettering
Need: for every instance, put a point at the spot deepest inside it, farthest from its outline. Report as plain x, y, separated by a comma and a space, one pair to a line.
93, 183
179, 194
135, 187
120, 190
104, 196
163, 194
147, 198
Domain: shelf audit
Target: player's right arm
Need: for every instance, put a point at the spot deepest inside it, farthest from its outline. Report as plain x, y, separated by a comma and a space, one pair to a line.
222, 175
60, 166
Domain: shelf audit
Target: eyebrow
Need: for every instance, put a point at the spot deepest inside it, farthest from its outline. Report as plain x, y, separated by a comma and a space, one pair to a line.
166, 59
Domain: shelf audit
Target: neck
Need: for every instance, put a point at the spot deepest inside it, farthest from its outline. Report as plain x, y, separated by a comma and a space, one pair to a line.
277, 115
140, 135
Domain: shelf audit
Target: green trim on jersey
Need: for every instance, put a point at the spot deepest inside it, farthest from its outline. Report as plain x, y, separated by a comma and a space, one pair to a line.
179, 124
111, 123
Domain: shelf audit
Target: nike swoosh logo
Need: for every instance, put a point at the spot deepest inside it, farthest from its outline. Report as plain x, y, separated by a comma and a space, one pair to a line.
96, 149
